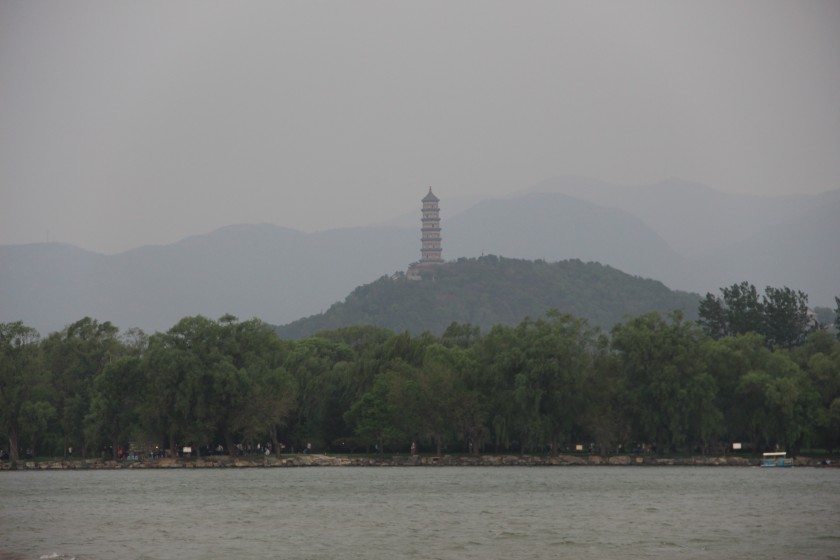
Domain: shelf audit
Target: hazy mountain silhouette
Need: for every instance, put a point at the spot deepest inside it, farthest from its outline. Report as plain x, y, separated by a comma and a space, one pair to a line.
725, 238
248, 270
555, 226
694, 219
281, 275
803, 253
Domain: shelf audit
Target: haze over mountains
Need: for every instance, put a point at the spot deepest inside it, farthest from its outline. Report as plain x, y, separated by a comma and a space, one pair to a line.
689, 236
724, 238
694, 219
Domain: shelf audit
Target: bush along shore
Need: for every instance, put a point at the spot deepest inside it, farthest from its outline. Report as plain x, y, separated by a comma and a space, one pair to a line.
317, 460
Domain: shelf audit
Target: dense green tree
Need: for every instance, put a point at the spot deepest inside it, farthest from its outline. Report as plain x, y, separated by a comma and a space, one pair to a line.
268, 406
321, 370
792, 404
777, 403
25, 406
500, 358
666, 380
557, 358
470, 401
175, 385
373, 415
226, 398
461, 334
744, 310
728, 360
438, 396
360, 338
220, 381
754, 417
74, 357
539, 386
786, 320
819, 357
606, 418
116, 402
712, 316
781, 315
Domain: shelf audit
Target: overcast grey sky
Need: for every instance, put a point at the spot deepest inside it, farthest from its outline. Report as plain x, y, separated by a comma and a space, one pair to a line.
126, 123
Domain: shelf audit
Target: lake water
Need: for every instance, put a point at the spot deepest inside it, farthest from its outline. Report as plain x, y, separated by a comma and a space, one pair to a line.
426, 512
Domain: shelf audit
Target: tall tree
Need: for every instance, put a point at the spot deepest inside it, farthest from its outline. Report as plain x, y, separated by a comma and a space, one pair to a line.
75, 356
438, 396
322, 375
268, 406
557, 352
662, 361
728, 360
115, 402
785, 316
775, 402
792, 405
373, 415
744, 311
606, 417
175, 406
712, 314
500, 359
24, 404
819, 357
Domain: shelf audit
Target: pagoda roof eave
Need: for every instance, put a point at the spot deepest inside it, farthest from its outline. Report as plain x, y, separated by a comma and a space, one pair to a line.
430, 197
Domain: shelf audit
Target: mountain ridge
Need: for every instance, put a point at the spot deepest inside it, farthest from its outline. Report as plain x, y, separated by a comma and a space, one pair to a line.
694, 218
281, 274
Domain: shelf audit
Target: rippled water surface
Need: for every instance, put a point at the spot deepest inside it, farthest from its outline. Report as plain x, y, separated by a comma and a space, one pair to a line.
432, 512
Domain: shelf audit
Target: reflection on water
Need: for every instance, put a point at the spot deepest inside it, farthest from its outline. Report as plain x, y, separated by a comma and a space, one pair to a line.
457, 512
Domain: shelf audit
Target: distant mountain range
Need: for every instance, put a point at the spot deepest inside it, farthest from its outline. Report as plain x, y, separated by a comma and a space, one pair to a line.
553, 227
689, 236
725, 238
249, 270
694, 219
489, 291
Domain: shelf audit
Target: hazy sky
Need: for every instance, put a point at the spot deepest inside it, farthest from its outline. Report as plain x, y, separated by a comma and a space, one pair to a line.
126, 123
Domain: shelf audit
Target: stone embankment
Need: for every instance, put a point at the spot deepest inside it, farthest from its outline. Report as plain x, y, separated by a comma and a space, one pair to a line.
407, 461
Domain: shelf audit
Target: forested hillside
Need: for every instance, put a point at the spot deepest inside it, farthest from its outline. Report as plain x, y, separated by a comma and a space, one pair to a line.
492, 290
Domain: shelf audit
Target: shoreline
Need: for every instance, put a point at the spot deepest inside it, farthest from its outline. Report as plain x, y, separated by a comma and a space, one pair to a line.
315, 460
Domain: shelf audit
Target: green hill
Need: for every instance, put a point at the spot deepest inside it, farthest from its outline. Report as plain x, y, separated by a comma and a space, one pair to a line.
491, 290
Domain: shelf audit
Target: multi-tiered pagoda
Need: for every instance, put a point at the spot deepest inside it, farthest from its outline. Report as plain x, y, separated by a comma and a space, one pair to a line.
430, 250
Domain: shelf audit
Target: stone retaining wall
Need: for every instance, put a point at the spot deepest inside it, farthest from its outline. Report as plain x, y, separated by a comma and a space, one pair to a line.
405, 461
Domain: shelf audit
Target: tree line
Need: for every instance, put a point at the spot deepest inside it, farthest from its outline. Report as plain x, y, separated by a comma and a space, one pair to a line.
654, 382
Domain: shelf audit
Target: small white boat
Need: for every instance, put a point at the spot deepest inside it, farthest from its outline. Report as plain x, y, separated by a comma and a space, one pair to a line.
776, 459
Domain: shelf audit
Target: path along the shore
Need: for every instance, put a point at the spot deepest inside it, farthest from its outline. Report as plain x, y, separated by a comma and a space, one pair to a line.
317, 460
